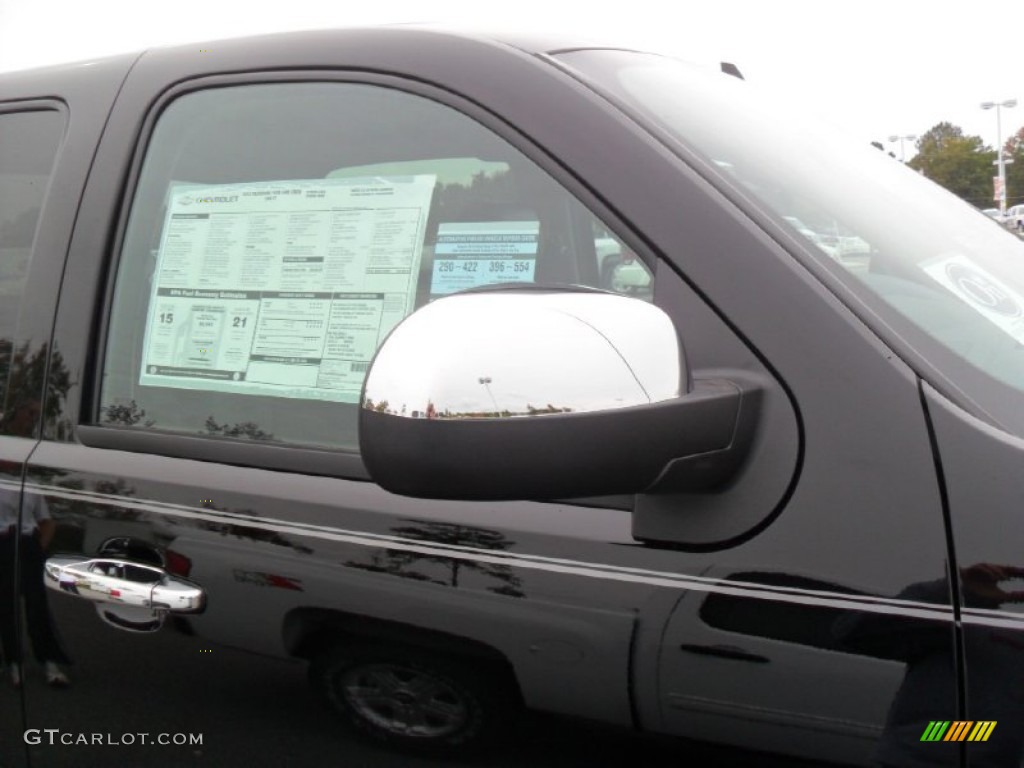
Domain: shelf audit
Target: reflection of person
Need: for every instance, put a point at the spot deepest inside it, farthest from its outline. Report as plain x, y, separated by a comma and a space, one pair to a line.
994, 659
33, 538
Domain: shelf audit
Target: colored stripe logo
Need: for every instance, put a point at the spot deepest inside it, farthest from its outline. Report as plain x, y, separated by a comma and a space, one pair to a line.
958, 730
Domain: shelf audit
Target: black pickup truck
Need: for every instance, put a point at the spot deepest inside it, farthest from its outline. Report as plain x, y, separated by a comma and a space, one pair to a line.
465, 376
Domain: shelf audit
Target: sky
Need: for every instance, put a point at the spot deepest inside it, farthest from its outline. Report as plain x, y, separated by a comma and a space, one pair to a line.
875, 69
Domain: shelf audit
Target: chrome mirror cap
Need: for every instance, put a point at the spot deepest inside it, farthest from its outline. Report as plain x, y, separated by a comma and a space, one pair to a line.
526, 353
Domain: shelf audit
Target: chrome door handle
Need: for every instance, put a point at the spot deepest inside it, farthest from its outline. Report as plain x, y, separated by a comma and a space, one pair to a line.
123, 582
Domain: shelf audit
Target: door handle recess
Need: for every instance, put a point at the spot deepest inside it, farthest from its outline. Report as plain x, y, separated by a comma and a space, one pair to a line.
118, 581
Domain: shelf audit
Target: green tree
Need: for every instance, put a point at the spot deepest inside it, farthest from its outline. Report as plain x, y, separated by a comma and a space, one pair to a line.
962, 164
1013, 149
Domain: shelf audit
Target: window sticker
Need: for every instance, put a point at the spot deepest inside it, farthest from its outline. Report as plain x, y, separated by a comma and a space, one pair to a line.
986, 294
283, 288
471, 254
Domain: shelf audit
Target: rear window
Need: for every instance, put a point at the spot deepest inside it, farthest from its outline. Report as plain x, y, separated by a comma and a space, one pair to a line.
29, 142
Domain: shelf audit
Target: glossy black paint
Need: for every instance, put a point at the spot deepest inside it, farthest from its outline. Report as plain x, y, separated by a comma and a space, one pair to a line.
805, 611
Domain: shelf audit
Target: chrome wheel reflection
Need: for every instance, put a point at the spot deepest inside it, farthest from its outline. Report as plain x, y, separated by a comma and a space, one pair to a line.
405, 701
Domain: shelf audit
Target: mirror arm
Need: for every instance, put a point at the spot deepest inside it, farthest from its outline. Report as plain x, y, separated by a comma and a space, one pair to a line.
714, 470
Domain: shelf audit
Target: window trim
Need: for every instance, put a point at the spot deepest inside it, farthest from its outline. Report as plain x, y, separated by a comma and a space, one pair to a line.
285, 457
338, 462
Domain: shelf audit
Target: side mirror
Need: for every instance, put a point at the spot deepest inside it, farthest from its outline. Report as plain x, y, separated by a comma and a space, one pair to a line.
535, 393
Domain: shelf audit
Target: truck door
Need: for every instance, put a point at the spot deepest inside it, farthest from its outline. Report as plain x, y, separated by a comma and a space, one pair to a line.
217, 316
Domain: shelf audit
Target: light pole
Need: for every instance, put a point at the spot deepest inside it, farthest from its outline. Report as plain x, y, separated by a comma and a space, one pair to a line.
901, 139
486, 381
1001, 192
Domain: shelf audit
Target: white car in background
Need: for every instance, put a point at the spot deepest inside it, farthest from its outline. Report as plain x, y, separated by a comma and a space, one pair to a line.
1015, 218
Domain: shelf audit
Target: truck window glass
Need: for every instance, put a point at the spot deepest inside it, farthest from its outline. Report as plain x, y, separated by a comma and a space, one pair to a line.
29, 142
278, 232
